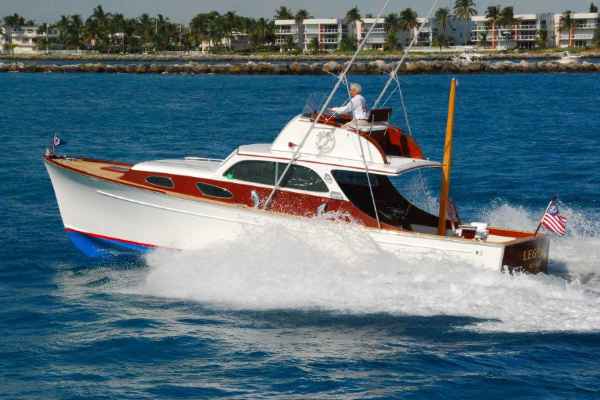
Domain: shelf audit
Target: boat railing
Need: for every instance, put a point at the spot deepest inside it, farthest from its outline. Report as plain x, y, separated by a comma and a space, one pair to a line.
191, 158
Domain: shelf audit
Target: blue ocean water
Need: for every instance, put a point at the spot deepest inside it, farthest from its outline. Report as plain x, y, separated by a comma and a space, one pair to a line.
274, 315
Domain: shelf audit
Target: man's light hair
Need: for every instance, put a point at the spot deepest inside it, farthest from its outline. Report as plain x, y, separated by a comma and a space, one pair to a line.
356, 87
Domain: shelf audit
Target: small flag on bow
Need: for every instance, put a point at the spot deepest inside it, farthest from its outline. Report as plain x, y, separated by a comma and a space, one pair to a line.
553, 221
57, 141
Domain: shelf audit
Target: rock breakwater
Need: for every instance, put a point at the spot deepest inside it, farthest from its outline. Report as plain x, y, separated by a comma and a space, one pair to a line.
298, 68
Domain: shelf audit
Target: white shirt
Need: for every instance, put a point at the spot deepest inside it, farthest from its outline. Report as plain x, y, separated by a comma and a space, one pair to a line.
357, 106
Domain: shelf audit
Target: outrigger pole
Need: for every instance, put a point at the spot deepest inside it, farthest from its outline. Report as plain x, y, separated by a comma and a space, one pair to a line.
447, 163
324, 107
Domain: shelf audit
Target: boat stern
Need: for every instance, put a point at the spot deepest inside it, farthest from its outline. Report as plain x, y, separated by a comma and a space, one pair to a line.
527, 255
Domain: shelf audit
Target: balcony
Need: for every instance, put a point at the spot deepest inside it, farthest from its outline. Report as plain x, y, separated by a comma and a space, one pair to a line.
577, 36
376, 30
526, 38
376, 40
526, 27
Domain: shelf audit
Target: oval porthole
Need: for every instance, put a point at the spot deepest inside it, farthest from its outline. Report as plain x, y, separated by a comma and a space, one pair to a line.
161, 181
213, 191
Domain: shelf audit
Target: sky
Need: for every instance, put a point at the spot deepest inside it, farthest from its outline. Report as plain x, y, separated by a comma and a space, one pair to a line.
184, 10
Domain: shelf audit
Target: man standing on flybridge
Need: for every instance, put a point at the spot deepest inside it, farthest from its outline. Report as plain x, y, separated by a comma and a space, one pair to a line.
357, 106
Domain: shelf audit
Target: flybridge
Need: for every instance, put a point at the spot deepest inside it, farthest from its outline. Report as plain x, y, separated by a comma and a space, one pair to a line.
381, 142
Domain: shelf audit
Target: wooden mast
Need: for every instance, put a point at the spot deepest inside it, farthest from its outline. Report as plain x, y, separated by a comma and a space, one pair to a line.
447, 163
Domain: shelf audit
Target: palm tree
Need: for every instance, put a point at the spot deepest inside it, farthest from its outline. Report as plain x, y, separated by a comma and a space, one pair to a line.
483, 36
70, 31
163, 31
464, 10
568, 23
262, 32
493, 15
97, 27
507, 19
63, 26
596, 38
145, 30
392, 26
44, 41
300, 16
283, 13
442, 18
117, 29
75, 31
408, 21
542, 38
314, 45
14, 21
353, 15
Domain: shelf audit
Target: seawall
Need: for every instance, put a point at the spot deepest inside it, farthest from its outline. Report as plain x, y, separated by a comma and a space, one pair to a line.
297, 68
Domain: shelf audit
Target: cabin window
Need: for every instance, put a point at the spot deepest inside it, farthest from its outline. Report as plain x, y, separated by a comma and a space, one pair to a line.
213, 191
355, 178
301, 178
392, 207
253, 171
268, 172
161, 181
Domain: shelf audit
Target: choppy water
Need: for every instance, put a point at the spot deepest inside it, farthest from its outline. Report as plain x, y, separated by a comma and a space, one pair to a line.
275, 314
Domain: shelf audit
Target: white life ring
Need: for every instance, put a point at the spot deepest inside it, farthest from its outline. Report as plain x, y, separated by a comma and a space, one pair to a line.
325, 141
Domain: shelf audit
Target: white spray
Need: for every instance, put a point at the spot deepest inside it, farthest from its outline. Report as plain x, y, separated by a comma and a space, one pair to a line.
337, 267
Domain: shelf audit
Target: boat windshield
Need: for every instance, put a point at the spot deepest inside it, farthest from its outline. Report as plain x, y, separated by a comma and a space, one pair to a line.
312, 105
414, 210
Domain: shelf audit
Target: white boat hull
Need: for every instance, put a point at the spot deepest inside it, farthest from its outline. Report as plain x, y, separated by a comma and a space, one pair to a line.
141, 219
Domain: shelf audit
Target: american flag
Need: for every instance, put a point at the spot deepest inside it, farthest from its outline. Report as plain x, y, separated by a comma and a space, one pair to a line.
553, 221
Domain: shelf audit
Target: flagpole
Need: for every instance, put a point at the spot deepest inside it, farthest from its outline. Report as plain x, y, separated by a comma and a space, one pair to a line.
541, 219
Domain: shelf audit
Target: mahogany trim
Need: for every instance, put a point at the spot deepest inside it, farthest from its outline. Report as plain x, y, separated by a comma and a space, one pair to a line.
510, 233
52, 160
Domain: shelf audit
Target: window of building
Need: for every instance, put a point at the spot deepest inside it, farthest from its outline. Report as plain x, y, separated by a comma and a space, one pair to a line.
161, 181
268, 172
213, 191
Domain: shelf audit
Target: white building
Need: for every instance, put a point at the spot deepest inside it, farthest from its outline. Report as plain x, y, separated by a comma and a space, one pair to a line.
424, 30
524, 34
236, 41
289, 31
378, 37
3, 40
458, 31
26, 39
327, 31
582, 34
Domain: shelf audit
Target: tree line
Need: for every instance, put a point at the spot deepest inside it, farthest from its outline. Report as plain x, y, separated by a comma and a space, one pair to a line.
114, 33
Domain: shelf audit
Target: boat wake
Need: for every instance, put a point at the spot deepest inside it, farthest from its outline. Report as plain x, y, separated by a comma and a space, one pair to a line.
338, 268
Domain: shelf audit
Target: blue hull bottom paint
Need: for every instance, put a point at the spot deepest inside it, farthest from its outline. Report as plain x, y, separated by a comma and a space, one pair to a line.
93, 246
